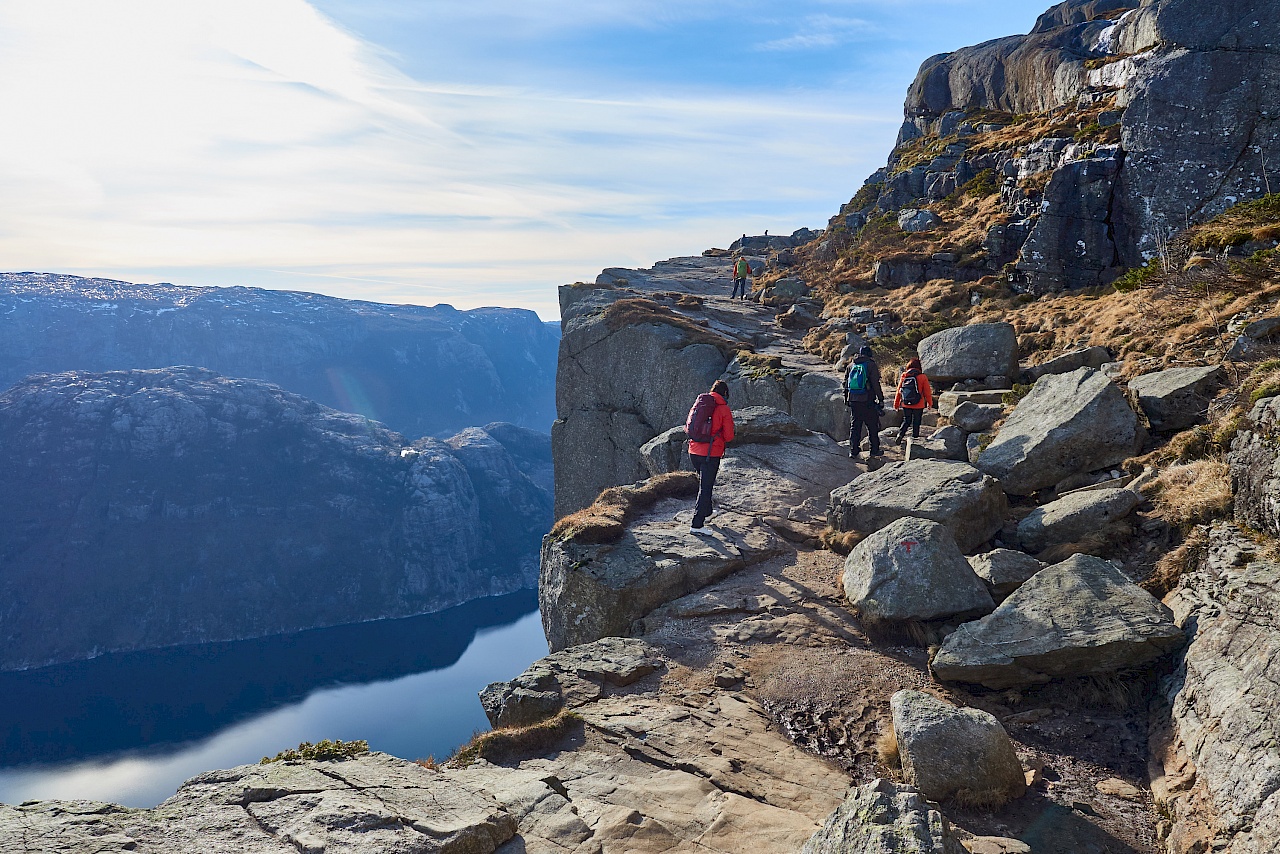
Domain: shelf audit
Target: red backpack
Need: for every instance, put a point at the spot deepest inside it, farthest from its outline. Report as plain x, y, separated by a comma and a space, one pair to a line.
698, 423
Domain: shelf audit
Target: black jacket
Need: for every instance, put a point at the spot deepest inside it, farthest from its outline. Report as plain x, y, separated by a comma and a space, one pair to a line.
874, 393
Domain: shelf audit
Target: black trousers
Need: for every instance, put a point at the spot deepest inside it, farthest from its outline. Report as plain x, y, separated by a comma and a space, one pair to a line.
910, 421
864, 413
707, 469
739, 284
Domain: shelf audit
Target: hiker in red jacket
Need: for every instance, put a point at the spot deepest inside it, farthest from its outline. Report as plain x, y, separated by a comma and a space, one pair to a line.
913, 397
706, 456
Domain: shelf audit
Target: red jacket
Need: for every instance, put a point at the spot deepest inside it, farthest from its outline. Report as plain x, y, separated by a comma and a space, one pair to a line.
721, 428
926, 393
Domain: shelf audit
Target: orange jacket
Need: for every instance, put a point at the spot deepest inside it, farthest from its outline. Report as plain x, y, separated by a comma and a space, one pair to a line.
721, 429
926, 393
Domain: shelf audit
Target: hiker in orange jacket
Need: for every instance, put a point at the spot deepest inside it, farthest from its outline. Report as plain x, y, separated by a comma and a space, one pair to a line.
706, 456
913, 397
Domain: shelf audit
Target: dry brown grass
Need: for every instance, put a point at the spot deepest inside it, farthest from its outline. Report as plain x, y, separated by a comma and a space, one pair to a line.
606, 519
504, 745
887, 749
840, 542
984, 799
638, 311
1100, 543
429, 763
1170, 568
1193, 493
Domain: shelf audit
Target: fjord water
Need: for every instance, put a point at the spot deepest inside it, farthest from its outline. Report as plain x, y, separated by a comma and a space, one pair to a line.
130, 728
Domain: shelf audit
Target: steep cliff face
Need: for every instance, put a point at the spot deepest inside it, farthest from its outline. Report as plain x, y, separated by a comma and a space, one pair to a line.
148, 508
422, 371
1141, 118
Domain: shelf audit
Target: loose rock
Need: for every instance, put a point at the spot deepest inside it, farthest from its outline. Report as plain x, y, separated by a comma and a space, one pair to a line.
948, 752
1074, 517
1005, 570
970, 352
1177, 398
976, 417
883, 818
947, 443
951, 493
912, 569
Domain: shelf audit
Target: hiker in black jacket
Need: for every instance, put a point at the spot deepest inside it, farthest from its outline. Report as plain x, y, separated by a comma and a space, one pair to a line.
865, 398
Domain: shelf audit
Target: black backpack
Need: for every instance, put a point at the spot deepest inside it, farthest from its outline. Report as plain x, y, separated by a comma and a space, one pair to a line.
910, 390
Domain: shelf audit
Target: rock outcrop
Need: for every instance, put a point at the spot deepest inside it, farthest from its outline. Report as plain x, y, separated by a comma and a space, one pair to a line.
1255, 468
951, 493
912, 569
179, 506
1068, 424
1215, 757
421, 371
948, 752
1077, 618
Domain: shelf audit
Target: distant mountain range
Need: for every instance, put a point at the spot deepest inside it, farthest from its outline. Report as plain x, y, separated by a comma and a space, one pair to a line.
150, 508
421, 371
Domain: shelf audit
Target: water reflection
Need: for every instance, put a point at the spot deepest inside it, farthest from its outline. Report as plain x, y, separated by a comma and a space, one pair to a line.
130, 728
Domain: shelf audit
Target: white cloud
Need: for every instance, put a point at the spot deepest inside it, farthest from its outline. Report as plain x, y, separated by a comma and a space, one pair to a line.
821, 32
207, 139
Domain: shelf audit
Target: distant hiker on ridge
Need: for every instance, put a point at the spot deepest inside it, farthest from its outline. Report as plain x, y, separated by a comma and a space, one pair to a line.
865, 398
914, 396
710, 428
741, 269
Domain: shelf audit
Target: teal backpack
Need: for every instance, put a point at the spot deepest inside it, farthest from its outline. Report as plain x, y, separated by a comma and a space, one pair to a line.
858, 378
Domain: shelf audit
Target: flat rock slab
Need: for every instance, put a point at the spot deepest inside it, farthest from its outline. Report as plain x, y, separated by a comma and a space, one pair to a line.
374, 803
1077, 618
951, 493
1177, 398
950, 401
976, 417
950, 752
947, 443
1073, 517
568, 678
881, 817
1088, 357
912, 569
1068, 424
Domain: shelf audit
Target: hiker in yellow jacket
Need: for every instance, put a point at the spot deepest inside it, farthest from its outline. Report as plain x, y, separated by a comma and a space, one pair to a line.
741, 269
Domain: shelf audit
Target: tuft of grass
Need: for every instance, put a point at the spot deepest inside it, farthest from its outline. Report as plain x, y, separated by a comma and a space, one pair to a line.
1097, 543
322, 751
1015, 395
841, 542
1194, 493
756, 365
501, 745
429, 763
1137, 277
887, 749
1177, 563
639, 311
606, 519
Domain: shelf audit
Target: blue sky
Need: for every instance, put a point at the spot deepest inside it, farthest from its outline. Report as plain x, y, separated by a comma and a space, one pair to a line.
477, 153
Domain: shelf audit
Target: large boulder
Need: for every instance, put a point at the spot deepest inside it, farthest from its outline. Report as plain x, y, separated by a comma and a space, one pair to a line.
1074, 517
912, 569
970, 352
881, 817
950, 401
764, 425
1177, 398
1068, 424
949, 752
1005, 570
951, 493
1080, 617
912, 221
568, 678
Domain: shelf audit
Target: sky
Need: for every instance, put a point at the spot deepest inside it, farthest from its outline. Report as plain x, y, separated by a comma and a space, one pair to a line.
474, 152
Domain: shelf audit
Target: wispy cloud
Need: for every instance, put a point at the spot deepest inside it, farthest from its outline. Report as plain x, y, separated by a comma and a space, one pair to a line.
822, 32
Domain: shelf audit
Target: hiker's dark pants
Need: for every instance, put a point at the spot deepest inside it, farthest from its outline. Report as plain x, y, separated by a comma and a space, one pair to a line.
739, 284
707, 469
910, 421
864, 413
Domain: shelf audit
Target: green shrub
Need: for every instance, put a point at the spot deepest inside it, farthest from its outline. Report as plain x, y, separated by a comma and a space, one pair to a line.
981, 185
323, 751
1137, 277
